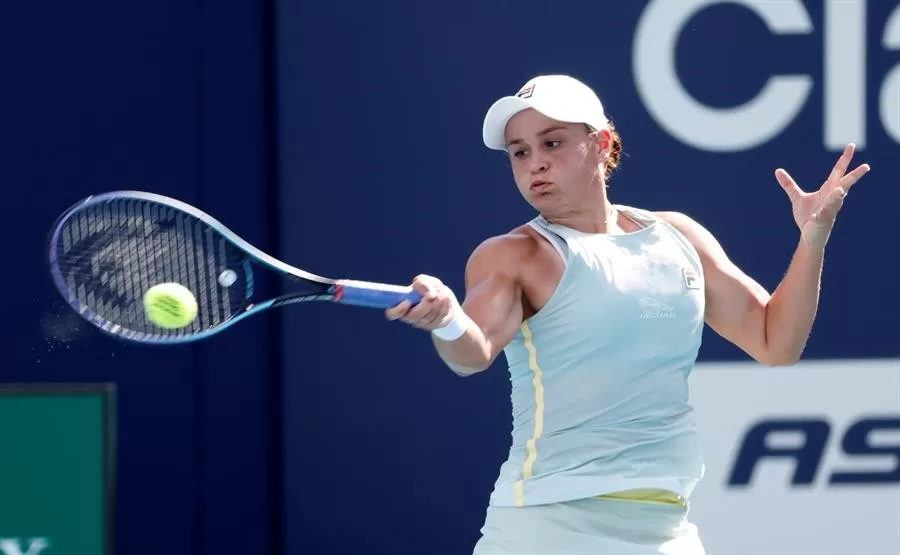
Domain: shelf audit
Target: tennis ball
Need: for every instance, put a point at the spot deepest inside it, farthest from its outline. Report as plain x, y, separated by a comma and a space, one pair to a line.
170, 305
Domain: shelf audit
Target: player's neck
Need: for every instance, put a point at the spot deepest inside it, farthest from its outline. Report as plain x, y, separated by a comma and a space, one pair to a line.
603, 218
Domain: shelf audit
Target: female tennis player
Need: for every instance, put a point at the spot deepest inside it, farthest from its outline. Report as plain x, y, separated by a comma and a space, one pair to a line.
599, 310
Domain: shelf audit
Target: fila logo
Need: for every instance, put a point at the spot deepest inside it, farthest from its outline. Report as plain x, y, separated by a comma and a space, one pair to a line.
526, 92
691, 281
653, 309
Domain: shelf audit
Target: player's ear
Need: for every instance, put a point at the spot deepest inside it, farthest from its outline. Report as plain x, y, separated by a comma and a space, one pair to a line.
604, 142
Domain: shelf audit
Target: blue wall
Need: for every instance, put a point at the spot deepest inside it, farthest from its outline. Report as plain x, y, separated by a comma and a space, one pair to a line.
384, 176
366, 161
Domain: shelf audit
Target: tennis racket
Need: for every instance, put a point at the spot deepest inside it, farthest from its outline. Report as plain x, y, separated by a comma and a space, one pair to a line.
107, 250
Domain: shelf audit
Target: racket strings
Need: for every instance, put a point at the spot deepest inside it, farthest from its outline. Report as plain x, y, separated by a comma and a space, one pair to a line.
111, 253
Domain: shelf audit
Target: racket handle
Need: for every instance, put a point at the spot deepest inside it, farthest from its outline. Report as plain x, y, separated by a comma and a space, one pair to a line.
373, 295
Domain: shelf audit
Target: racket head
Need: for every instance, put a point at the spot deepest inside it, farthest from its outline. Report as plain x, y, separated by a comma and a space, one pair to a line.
107, 250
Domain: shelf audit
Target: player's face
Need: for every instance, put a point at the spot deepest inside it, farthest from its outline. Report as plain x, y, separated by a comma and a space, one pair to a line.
556, 165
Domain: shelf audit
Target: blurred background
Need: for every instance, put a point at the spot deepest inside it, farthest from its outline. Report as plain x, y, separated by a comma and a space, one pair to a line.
344, 137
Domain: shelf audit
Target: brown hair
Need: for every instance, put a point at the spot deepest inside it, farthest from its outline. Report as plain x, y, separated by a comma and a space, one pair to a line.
615, 149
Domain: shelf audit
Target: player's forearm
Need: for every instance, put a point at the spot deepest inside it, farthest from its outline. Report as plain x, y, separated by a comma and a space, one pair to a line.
791, 311
468, 354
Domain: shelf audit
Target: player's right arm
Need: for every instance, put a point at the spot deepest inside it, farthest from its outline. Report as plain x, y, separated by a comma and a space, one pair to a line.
488, 317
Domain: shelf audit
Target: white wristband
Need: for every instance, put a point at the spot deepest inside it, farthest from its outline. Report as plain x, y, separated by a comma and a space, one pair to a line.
455, 328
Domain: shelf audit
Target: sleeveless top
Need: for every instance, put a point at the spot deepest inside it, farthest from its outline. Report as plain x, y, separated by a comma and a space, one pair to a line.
600, 374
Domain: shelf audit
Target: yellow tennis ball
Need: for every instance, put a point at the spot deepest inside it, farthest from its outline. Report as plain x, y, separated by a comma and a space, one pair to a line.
170, 305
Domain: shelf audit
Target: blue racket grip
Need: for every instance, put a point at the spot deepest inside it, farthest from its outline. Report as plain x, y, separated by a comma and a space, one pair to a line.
373, 295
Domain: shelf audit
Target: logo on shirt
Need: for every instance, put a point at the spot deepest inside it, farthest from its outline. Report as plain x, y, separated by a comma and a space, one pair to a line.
691, 281
653, 309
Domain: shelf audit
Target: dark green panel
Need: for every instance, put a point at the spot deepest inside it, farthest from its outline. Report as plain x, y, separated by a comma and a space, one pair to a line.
55, 470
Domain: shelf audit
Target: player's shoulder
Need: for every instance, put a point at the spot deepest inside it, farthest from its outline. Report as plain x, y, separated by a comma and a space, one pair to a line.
672, 217
507, 250
700, 237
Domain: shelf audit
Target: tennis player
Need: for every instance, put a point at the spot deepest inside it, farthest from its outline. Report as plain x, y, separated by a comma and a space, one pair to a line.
599, 309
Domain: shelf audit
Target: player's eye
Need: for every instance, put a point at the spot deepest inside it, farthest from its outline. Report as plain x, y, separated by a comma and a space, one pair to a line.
552, 144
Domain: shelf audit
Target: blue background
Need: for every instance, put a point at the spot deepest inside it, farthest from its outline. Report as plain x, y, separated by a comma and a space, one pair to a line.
344, 137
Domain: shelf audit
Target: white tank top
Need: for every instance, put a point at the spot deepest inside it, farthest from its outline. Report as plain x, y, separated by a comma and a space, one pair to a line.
600, 374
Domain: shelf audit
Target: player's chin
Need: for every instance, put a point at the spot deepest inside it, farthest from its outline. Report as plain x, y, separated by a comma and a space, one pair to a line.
542, 199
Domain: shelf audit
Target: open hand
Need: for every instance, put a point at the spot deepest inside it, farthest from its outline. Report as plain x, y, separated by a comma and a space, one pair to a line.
815, 212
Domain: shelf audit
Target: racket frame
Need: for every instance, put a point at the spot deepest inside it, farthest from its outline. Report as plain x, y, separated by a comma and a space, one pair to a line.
343, 291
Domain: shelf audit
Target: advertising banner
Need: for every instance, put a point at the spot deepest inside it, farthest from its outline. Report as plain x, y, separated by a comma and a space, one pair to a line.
799, 460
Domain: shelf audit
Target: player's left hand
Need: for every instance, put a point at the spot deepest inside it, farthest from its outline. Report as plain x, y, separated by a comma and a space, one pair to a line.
815, 212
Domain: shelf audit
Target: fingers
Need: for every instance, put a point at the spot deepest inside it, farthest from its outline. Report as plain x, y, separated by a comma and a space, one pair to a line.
421, 284
399, 311
843, 162
851, 178
429, 312
788, 184
433, 306
838, 178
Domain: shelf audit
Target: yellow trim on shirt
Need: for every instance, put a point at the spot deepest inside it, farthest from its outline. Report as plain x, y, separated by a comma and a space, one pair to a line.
647, 496
531, 445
